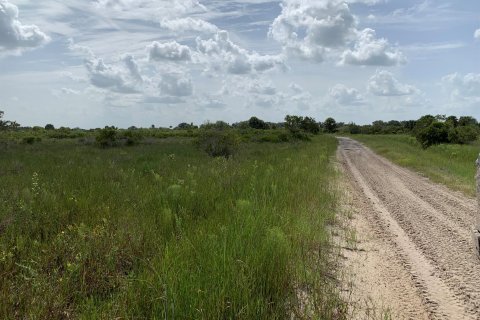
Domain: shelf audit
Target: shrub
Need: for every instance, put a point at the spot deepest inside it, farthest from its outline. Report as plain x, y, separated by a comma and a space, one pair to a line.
463, 135
256, 123
435, 133
218, 143
28, 140
300, 136
132, 137
107, 137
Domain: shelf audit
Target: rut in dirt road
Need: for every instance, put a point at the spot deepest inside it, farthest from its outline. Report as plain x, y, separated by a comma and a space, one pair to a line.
428, 225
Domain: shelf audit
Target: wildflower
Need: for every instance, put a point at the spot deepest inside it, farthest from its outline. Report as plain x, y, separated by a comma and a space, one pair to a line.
35, 184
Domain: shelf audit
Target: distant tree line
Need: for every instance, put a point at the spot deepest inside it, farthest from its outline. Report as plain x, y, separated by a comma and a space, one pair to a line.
428, 130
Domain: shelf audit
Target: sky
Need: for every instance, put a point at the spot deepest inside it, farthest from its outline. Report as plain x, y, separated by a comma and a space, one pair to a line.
91, 63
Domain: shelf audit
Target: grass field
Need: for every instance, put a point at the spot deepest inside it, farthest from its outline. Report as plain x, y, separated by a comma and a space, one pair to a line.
449, 164
162, 231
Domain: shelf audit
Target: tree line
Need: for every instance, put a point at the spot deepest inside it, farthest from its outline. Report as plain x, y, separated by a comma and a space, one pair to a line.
428, 130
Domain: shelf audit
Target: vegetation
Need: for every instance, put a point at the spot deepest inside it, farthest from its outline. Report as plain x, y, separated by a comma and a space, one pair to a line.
428, 130
107, 137
449, 164
221, 142
162, 230
5, 125
330, 125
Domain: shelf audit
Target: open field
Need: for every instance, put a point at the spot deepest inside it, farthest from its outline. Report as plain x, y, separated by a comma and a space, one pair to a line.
161, 230
449, 164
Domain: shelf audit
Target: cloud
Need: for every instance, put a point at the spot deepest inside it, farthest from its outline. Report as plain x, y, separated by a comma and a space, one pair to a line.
262, 87
210, 102
180, 25
163, 100
476, 35
149, 9
121, 77
176, 85
316, 30
346, 96
68, 91
172, 51
13, 34
461, 87
300, 96
268, 101
307, 28
220, 53
371, 51
383, 83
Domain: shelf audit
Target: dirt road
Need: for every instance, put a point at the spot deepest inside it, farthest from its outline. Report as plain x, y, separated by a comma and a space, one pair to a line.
414, 253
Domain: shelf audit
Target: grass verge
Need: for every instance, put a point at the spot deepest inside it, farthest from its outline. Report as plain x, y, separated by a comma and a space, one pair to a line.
450, 164
163, 231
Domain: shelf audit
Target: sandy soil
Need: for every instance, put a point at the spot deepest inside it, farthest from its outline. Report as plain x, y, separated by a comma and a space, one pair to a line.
410, 249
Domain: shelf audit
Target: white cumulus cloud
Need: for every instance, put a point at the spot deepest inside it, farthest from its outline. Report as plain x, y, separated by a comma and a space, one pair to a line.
176, 85
13, 34
383, 83
476, 34
172, 51
463, 87
223, 54
115, 77
346, 96
371, 51
316, 30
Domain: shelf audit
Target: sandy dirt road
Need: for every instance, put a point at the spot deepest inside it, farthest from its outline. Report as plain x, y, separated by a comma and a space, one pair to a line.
414, 254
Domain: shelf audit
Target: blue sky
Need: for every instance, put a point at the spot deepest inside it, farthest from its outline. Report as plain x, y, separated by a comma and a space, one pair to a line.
91, 63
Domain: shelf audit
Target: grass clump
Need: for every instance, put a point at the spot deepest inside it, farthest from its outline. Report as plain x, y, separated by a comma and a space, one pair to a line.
162, 230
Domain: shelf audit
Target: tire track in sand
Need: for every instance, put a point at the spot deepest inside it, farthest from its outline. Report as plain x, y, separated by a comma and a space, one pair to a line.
428, 226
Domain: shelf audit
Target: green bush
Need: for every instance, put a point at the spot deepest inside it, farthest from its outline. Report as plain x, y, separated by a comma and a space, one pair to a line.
107, 137
218, 143
30, 140
463, 135
435, 133
132, 137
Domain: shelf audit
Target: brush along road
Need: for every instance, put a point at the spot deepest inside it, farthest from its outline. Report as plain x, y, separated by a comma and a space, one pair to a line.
429, 269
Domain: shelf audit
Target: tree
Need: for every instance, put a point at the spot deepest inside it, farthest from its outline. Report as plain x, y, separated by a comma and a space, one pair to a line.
467, 121
185, 126
423, 123
330, 125
49, 127
219, 125
4, 125
293, 123
435, 133
353, 128
256, 123
452, 121
310, 125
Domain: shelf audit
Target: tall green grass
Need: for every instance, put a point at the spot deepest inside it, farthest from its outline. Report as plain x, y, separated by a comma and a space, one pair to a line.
449, 164
162, 231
